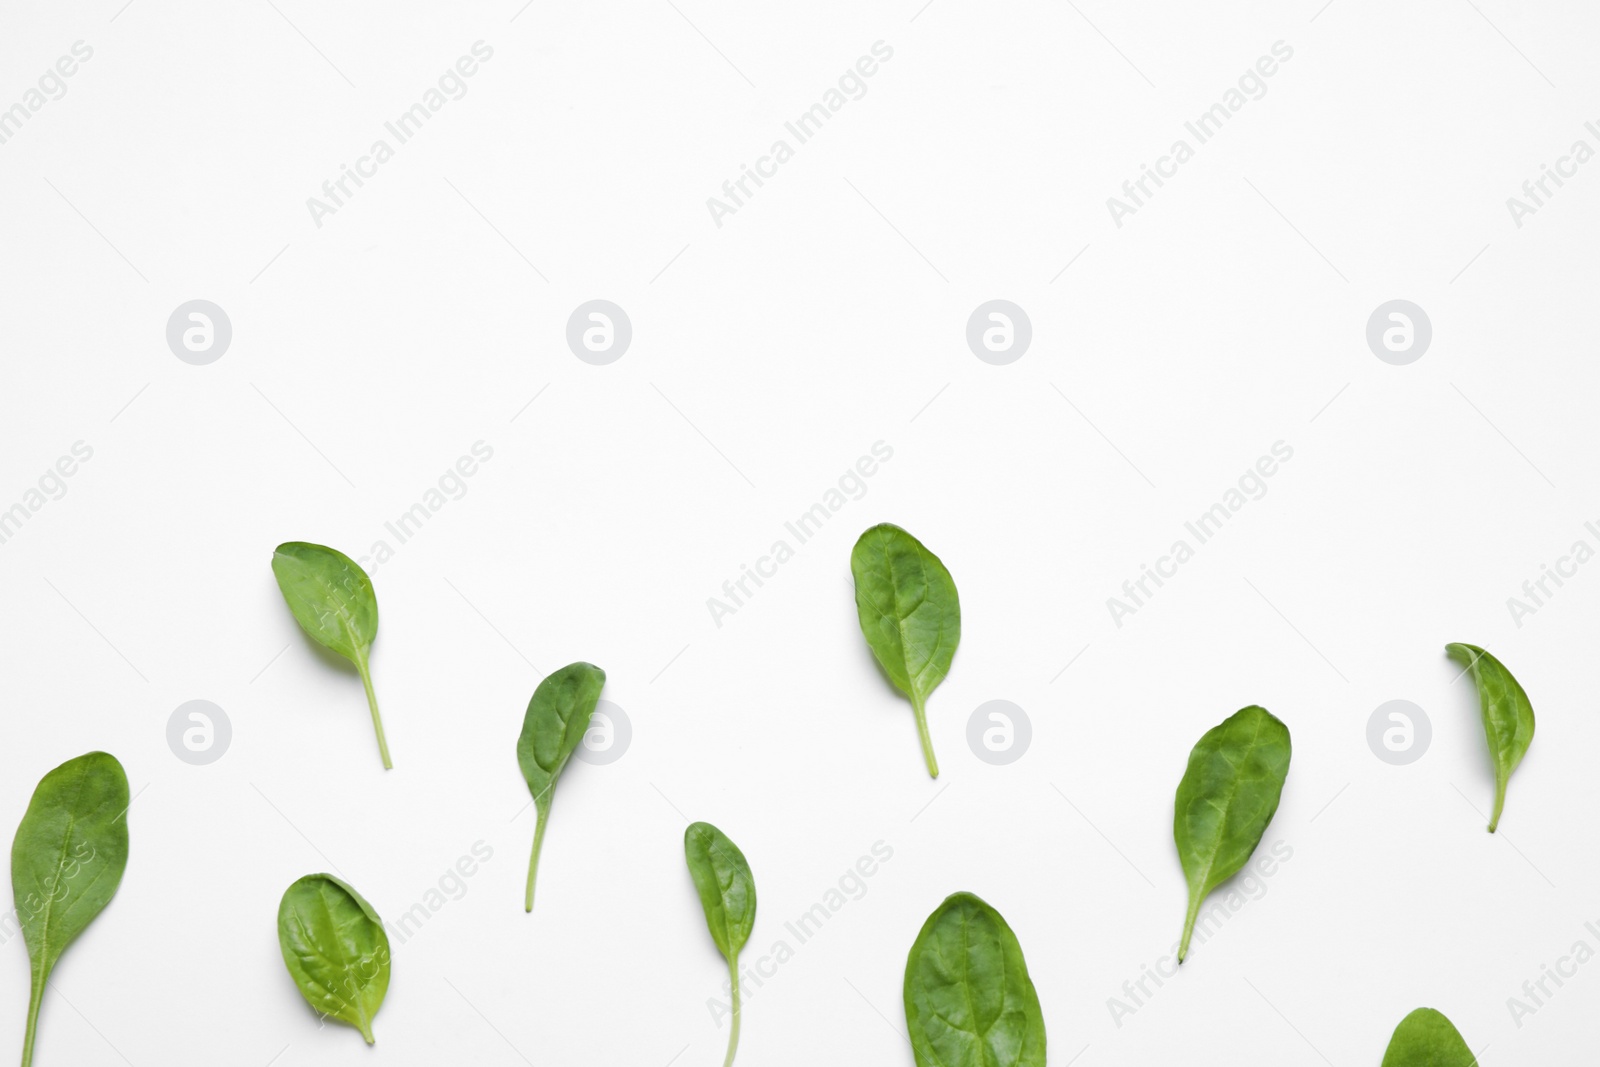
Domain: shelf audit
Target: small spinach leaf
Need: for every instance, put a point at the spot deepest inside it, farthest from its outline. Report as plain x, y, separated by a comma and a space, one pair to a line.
969, 1000
335, 948
909, 612
1425, 1038
1226, 799
66, 863
728, 894
1507, 716
332, 600
556, 720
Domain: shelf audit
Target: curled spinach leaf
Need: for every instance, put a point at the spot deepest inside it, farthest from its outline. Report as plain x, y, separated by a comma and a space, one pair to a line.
1507, 716
727, 892
1226, 799
67, 862
969, 1000
1425, 1038
336, 950
909, 612
332, 600
553, 728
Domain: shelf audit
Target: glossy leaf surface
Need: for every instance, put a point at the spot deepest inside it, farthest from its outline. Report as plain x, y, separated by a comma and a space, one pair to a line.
67, 862
968, 998
1507, 716
727, 893
331, 598
1228, 795
1425, 1038
552, 729
910, 615
336, 950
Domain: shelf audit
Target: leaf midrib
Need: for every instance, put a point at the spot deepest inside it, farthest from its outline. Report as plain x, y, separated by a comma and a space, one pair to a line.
358, 989
902, 614
348, 620
46, 964
1233, 792
975, 1027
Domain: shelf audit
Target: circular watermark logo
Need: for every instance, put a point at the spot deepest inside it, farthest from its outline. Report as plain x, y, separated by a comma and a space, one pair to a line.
199, 332
608, 736
599, 332
1399, 332
198, 732
999, 332
999, 732
1398, 732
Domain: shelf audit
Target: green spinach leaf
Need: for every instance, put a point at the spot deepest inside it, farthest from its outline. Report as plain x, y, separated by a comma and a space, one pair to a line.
66, 863
1226, 799
969, 1000
1425, 1038
909, 612
728, 894
1507, 716
332, 600
553, 728
336, 950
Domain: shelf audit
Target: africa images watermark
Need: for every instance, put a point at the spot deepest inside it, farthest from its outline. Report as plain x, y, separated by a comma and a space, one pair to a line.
451, 885
1536, 592
1136, 592
850, 886
51, 85
54, 887
1245, 887
52, 485
409, 522
1536, 992
1252, 85
336, 192
809, 123
805, 526
1536, 191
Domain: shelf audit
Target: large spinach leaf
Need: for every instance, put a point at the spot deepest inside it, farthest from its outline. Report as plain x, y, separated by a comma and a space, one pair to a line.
335, 948
552, 729
727, 892
1507, 716
909, 612
969, 1000
1228, 795
66, 863
1425, 1038
331, 598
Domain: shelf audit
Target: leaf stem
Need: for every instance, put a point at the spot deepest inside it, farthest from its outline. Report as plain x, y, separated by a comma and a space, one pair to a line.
733, 1037
1195, 900
372, 703
917, 705
533, 861
1499, 800
35, 998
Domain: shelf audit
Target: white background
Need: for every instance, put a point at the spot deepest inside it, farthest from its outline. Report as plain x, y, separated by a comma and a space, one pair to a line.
768, 354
